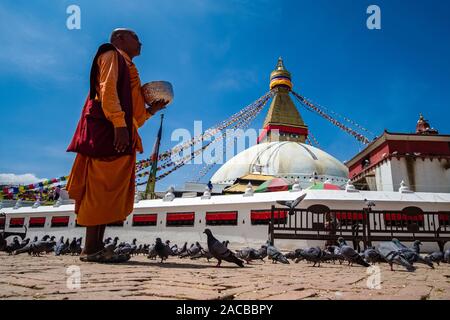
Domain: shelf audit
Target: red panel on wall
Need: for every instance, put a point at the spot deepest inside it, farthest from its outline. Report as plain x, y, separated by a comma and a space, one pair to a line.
264, 215
60, 220
343, 215
221, 216
403, 217
185, 216
16, 221
37, 220
145, 217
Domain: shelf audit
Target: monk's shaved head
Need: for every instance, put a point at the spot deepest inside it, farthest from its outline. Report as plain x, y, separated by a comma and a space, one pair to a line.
126, 40
120, 32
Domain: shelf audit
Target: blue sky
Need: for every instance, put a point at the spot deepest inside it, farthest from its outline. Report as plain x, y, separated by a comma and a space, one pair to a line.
218, 56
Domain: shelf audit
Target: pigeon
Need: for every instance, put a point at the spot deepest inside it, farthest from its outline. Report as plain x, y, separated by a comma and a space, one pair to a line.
26, 248
261, 253
65, 250
226, 243
340, 241
392, 254
24, 242
351, 255
291, 255
142, 249
41, 246
292, 204
59, 247
329, 256
174, 250
152, 252
187, 252
13, 246
133, 246
412, 255
72, 246
182, 250
247, 254
110, 246
416, 245
447, 255
219, 251
202, 254
373, 256
436, 257
193, 250
162, 249
51, 248
314, 255
126, 248
123, 248
78, 248
335, 253
296, 255
275, 254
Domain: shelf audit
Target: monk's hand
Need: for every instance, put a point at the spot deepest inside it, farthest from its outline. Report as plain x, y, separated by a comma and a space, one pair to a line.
121, 138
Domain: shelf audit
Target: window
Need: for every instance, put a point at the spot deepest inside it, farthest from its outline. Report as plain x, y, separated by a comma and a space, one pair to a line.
263, 216
221, 218
141, 220
444, 219
37, 222
2, 222
348, 218
180, 219
403, 220
60, 221
16, 222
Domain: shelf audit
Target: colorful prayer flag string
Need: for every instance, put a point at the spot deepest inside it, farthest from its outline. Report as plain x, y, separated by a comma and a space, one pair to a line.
314, 108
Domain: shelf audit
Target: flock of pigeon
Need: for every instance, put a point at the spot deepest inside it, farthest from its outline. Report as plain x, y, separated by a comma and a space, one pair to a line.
391, 252
45, 245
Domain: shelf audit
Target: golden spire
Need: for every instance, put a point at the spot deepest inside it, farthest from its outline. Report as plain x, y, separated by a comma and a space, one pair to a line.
280, 65
283, 115
280, 76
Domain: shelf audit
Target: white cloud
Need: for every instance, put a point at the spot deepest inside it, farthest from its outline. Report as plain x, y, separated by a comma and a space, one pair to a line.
16, 179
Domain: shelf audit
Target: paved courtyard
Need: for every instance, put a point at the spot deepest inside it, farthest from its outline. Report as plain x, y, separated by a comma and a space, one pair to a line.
51, 277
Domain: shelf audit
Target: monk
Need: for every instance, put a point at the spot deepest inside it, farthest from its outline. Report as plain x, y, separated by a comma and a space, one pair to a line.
102, 180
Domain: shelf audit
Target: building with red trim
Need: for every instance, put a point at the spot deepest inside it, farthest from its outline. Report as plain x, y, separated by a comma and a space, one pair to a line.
421, 160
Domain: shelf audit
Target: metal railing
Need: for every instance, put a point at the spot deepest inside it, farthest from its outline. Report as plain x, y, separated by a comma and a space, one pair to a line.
363, 226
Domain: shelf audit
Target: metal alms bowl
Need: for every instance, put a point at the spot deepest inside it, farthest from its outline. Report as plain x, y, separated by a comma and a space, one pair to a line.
157, 90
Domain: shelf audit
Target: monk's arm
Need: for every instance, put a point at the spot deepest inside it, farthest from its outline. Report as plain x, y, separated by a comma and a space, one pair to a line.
141, 115
108, 74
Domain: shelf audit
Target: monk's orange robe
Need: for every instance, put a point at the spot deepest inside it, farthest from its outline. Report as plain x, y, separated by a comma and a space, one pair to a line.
103, 189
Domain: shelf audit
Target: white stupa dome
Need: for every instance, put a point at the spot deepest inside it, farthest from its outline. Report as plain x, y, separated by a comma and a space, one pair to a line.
286, 159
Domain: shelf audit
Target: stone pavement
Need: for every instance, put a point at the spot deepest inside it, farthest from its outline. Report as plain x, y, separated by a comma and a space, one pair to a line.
51, 277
